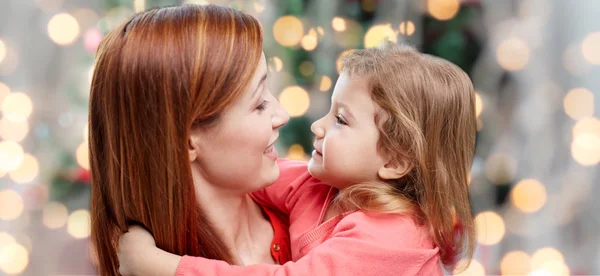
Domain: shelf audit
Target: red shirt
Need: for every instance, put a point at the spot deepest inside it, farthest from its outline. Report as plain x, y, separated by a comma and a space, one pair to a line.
280, 246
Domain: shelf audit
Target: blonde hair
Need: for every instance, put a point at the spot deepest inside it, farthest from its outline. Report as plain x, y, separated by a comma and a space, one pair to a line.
427, 118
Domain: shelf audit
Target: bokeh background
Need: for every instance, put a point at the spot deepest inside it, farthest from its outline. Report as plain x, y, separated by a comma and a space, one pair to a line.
535, 65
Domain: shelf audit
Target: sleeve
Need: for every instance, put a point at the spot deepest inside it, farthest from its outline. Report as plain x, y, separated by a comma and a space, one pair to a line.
284, 193
346, 253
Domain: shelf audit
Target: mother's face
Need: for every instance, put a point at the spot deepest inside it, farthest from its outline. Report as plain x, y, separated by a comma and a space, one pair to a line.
238, 153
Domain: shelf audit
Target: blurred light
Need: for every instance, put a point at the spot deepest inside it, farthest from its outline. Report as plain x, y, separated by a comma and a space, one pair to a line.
54, 215
309, 41
307, 68
574, 62
2, 173
86, 131
296, 152
500, 168
478, 104
320, 31
512, 54
585, 149
10, 62
443, 9
529, 195
288, 30
78, 224
91, 40
139, 5
199, 2
475, 268
49, 5
11, 155
6, 239
275, 64
27, 171
82, 155
86, 18
338, 24
325, 83
258, 6
515, 263
17, 106
555, 268
339, 63
2, 51
4, 91
352, 37
11, 205
295, 100
25, 241
589, 125
407, 28
590, 46
13, 131
378, 33
579, 103
544, 255
14, 258
63, 29
490, 228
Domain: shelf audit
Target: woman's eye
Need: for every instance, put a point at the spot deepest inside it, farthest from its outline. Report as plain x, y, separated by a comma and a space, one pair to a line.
262, 106
340, 120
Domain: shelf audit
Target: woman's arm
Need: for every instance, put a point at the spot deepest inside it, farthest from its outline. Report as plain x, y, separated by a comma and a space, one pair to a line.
138, 255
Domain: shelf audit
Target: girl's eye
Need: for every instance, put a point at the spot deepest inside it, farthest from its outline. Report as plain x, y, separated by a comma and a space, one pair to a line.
340, 120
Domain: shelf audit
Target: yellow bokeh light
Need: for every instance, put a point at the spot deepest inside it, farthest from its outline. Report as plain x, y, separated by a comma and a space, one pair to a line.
589, 125
11, 205
325, 83
4, 91
63, 29
288, 30
309, 42
17, 106
86, 131
339, 62
544, 255
27, 171
512, 54
54, 215
320, 31
490, 228
276, 64
11, 155
14, 258
139, 5
296, 152
258, 6
295, 100
2, 173
554, 268
590, 46
407, 28
78, 224
338, 24
529, 195
82, 155
515, 263
585, 149
475, 268
579, 103
307, 68
500, 168
13, 131
378, 33
478, 104
2, 51
443, 9
6, 239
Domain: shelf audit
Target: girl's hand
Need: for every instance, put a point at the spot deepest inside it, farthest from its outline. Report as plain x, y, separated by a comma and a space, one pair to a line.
132, 247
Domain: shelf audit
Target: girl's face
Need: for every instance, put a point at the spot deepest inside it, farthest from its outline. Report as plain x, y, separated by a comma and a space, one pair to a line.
346, 137
238, 154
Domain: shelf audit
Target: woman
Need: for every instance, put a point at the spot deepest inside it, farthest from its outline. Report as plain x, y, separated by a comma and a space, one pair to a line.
182, 128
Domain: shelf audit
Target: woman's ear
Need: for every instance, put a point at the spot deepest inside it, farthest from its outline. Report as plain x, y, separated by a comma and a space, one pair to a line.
193, 146
394, 170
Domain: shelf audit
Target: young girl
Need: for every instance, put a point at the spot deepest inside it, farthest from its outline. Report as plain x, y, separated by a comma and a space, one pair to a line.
387, 192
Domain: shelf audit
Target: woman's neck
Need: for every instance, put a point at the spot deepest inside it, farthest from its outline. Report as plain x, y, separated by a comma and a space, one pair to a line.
239, 221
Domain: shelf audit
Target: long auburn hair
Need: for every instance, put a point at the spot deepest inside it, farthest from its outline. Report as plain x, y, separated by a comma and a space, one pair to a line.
427, 117
159, 76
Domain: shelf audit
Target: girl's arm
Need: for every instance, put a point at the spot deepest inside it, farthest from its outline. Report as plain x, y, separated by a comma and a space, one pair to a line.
361, 244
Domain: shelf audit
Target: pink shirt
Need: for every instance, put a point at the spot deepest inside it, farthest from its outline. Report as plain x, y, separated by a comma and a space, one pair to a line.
354, 243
